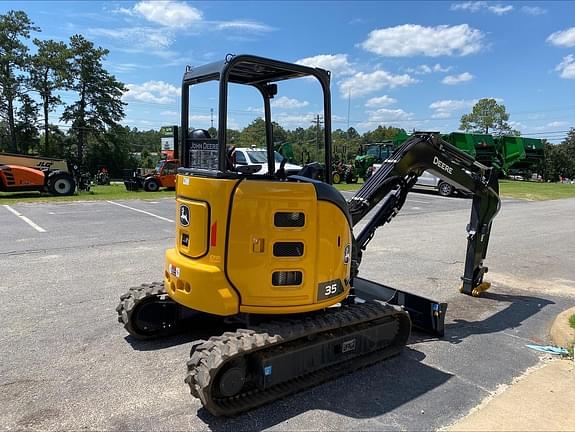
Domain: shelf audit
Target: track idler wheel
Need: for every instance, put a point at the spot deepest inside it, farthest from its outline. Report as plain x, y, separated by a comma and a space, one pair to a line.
147, 312
231, 381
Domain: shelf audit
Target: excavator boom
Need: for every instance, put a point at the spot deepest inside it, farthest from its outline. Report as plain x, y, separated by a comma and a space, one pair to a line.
393, 181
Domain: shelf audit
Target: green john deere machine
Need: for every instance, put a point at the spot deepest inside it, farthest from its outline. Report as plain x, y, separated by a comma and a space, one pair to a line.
506, 153
371, 154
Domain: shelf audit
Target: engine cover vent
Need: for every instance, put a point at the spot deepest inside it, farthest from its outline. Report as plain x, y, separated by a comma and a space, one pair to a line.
289, 219
283, 278
288, 249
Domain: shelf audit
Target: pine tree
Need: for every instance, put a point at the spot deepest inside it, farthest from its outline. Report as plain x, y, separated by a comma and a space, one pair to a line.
15, 27
49, 74
100, 94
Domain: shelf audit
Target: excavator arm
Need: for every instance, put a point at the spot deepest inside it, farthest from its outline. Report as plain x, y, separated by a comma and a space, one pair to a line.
391, 183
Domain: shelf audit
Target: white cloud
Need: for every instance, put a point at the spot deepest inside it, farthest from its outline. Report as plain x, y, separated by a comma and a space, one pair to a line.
158, 92
287, 103
533, 10
251, 26
199, 118
295, 120
363, 83
566, 68
445, 108
168, 13
125, 67
517, 125
457, 79
386, 114
381, 101
336, 63
471, 6
169, 113
425, 69
138, 37
500, 9
563, 38
257, 110
476, 6
556, 124
412, 39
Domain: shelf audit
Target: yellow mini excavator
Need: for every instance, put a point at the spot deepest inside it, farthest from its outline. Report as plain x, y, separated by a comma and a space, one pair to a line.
277, 254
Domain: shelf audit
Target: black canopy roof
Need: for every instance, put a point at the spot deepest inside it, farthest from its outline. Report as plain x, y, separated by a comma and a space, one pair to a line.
252, 70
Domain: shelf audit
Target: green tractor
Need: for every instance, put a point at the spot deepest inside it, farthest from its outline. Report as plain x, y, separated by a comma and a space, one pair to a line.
343, 172
371, 154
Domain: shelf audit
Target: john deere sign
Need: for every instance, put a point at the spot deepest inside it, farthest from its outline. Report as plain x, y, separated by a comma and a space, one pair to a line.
168, 135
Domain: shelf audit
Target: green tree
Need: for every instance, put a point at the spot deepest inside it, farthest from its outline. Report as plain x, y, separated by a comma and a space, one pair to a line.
50, 73
27, 128
381, 133
110, 149
15, 27
59, 143
560, 158
487, 116
100, 94
252, 134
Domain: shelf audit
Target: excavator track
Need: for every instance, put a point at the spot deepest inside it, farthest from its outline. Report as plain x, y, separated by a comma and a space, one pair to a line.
242, 370
147, 312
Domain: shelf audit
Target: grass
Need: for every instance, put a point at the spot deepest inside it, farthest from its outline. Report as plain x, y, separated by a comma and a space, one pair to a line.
350, 186
535, 190
508, 189
111, 192
516, 189
572, 321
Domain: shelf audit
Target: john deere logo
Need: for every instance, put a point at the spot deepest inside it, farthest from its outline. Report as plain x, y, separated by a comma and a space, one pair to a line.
184, 215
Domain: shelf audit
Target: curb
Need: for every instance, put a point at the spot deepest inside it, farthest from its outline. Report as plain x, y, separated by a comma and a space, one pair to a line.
561, 332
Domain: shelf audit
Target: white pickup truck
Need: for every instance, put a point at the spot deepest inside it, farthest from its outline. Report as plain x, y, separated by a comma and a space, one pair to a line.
429, 181
259, 156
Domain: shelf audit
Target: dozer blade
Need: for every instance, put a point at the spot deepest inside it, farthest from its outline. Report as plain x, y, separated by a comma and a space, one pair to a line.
242, 370
426, 314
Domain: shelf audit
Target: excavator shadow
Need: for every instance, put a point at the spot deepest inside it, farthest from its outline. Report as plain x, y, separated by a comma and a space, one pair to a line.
480, 319
364, 394
202, 327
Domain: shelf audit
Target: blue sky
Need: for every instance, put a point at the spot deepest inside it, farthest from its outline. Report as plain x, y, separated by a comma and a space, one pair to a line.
409, 64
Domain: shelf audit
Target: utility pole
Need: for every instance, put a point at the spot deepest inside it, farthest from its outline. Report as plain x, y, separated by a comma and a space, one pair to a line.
348, 110
212, 115
317, 122
347, 132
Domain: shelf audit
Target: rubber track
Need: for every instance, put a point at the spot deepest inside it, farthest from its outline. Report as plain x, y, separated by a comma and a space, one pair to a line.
130, 300
209, 356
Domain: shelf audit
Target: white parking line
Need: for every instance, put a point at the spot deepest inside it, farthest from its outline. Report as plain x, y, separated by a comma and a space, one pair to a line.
142, 211
418, 201
25, 219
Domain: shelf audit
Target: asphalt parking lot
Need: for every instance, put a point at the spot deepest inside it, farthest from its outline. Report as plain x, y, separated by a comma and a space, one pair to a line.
67, 364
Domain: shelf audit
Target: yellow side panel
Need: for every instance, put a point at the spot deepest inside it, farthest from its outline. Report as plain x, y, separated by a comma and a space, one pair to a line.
201, 287
252, 221
195, 274
334, 235
251, 259
200, 283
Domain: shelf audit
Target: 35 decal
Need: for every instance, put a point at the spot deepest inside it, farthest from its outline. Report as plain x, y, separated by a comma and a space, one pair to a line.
329, 289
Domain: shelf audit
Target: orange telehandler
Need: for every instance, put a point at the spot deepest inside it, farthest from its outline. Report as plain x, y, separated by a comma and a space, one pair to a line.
20, 173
